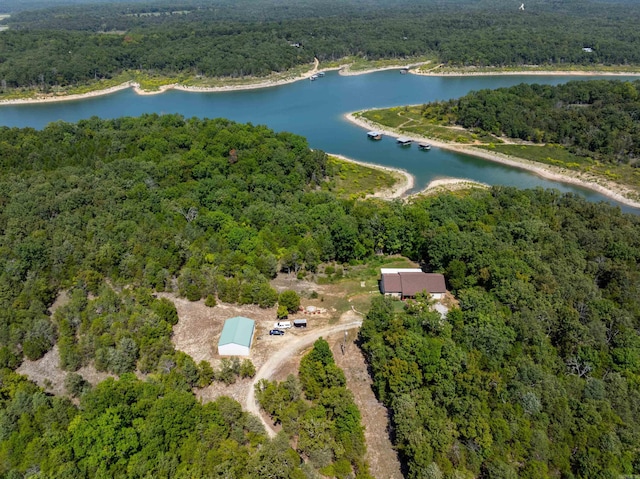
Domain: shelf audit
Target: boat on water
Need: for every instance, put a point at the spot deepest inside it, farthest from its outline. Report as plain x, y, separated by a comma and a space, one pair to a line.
320, 74
374, 135
313, 77
402, 141
424, 146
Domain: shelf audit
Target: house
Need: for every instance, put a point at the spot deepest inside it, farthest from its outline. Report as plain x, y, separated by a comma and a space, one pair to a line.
406, 283
236, 337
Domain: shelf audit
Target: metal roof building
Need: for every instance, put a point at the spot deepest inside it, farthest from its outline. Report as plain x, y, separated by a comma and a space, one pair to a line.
236, 337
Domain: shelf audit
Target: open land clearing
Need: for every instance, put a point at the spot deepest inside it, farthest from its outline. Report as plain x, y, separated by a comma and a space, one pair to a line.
275, 357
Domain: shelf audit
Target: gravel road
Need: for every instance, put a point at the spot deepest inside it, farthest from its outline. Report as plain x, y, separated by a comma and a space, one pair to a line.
293, 346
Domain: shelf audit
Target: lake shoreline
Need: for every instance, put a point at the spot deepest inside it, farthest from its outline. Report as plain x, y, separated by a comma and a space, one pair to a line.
607, 188
268, 83
463, 73
407, 182
172, 86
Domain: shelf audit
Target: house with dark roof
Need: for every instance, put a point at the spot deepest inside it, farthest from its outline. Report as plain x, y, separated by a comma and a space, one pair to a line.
406, 283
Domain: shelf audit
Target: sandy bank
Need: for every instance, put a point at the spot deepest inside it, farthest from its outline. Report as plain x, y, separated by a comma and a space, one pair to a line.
344, 70
450, 184
173, 86
55, 98
436, 73
609, 189
396, 191
408, 182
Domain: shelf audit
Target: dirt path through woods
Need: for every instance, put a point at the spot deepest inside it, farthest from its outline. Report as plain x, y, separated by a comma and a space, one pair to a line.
382, 458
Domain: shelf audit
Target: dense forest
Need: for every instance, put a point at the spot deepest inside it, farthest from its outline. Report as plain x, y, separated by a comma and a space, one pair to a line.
598, 118
535, 374
217, 205
127, 428
74, 45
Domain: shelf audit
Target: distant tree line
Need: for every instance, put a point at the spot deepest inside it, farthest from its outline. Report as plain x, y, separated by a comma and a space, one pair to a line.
78, 45
597, 118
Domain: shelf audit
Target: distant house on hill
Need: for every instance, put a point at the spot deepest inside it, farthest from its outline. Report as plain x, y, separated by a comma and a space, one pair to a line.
405, 283
236, 337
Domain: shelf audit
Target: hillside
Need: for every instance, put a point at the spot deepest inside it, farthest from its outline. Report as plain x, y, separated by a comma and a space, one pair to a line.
535, 375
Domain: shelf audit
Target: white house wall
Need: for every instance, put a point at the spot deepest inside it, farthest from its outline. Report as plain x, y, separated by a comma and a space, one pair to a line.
233, 350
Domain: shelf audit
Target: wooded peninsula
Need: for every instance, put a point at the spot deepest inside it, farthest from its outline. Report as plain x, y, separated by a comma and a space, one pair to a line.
588, 128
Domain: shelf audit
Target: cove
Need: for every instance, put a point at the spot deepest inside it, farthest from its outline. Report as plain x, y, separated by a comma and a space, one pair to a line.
315, 110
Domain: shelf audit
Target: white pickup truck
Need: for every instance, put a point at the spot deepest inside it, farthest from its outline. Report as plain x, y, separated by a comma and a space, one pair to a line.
282, 325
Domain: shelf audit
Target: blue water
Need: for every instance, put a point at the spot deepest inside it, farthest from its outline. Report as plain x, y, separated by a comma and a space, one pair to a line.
315, 110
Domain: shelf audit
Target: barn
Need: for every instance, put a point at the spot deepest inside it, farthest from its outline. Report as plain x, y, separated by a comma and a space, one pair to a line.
236, 337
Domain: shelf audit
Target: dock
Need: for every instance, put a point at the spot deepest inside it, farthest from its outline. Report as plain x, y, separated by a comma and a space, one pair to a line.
424, 146
403, 141
374, 135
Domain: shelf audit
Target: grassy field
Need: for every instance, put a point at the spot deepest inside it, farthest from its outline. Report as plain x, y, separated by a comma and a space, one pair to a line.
555, 155
559, 156
357, 64
204, 82
354, 286
357, 181
409, 119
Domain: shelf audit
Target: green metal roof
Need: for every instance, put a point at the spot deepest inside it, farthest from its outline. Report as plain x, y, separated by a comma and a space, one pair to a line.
237, 330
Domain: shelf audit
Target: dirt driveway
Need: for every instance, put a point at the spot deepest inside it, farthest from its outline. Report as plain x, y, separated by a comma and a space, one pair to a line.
283, 356
275, 357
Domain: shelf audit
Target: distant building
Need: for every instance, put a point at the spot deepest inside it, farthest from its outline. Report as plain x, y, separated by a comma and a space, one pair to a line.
236, 337
587, 49
384, 271
406, 283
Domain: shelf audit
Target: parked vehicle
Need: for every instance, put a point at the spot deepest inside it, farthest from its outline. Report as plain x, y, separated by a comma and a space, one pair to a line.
282, 325
300, 323
276, 332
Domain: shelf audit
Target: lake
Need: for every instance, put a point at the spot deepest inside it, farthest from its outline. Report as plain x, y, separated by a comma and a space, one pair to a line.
315, 110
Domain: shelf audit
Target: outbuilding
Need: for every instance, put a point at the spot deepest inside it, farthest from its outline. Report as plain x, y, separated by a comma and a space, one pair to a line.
236, 337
